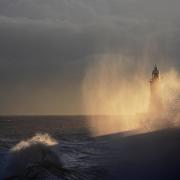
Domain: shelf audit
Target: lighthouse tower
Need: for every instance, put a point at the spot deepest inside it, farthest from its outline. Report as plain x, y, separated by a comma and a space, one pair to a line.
155, 90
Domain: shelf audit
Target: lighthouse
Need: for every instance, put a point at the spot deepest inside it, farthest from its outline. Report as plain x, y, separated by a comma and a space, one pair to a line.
155, 92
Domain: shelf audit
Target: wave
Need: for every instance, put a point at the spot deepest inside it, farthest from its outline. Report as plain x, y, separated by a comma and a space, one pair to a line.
42, 157
35, 153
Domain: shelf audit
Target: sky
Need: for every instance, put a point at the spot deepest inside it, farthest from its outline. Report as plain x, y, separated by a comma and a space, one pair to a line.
46, 47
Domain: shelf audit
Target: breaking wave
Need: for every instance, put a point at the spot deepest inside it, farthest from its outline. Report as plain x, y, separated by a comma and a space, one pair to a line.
42, 157
30, 158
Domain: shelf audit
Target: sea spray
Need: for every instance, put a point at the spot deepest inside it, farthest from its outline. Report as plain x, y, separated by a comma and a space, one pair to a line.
37, 151
121, 96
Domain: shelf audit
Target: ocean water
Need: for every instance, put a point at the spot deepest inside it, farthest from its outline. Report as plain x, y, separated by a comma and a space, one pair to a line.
47, 147
61, 147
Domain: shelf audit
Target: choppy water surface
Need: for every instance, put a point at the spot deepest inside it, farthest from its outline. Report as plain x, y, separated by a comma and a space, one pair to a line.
62, 148
74, 147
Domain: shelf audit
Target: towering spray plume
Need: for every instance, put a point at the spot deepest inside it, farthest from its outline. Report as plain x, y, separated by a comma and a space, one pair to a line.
126, 99
113, 90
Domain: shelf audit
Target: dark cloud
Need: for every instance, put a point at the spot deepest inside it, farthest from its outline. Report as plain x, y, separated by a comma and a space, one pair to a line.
48, 44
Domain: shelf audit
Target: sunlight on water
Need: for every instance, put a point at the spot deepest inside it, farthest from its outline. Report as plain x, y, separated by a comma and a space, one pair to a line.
39, 138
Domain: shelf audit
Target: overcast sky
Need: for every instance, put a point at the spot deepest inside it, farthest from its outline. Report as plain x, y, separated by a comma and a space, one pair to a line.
47, 45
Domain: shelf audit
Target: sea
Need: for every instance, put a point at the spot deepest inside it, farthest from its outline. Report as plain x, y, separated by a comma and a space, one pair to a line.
62, 148
65, 140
